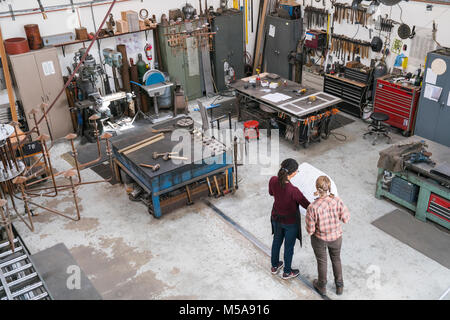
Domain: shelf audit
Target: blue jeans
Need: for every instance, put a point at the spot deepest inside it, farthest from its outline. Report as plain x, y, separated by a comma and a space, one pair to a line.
288, 233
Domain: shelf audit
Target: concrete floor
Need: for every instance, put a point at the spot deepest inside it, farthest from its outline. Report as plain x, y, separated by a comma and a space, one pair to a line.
192, 253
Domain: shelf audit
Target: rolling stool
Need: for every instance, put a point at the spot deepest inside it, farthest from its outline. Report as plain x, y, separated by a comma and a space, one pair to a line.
377, 127
251, 127
251, 131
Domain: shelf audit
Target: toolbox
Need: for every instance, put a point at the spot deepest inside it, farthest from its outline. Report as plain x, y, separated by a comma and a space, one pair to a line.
404, 190
398, 101
358, 74
353, 93
439, 207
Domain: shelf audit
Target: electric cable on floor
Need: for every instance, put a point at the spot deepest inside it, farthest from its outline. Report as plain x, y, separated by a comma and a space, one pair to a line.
336, 134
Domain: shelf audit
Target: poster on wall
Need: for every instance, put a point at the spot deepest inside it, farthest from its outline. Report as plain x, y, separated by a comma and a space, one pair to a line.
132, 43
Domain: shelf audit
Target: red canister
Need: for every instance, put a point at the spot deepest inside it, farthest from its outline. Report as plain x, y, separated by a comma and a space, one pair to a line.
16, 45
33, 36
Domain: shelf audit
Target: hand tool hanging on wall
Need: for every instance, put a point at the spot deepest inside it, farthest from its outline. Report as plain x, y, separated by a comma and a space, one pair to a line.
315, 16
342, 12
343, 46
384, 24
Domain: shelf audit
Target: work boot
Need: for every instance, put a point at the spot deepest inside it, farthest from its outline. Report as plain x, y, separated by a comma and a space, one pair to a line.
276, 269
339, 290
320, 289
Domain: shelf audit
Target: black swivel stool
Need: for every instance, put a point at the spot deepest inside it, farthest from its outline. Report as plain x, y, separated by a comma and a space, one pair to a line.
377, 127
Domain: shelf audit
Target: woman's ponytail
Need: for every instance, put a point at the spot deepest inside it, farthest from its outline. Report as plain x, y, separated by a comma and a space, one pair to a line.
288, 167
282, 176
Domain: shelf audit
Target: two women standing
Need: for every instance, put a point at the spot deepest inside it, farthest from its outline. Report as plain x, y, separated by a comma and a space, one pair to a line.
323, 218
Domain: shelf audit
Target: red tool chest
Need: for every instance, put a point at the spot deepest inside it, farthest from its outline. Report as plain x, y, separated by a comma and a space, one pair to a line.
439, 206
398, 101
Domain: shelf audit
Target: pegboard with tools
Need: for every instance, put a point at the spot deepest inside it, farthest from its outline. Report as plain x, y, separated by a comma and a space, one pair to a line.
343, 46
315, 17
344, 12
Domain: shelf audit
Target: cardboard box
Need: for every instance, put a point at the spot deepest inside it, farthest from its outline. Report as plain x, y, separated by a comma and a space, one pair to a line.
124, 14
121, 26
132, 18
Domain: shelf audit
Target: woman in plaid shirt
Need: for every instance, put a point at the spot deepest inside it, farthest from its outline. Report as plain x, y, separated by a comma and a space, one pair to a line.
323, 219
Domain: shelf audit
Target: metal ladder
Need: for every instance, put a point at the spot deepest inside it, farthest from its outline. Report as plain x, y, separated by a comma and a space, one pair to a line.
19, 279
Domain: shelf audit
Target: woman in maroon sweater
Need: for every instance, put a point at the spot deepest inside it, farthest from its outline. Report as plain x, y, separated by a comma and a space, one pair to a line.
285, 217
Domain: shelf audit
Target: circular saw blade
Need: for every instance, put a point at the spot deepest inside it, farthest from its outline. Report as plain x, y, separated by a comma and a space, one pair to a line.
404, 31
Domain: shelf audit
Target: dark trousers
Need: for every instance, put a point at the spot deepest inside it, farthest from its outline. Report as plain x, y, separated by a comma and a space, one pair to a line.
288, 233
334, 249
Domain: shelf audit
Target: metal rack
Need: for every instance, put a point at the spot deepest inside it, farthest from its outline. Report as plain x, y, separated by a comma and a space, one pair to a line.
63, 45
18, 276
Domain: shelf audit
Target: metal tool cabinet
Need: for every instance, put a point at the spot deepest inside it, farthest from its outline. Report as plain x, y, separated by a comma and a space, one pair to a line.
228, 45
433, 117
182, 62
282, 36
352, 93
38, 78
397, 101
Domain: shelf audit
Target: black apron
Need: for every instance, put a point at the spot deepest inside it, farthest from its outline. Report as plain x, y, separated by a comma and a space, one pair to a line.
298, 222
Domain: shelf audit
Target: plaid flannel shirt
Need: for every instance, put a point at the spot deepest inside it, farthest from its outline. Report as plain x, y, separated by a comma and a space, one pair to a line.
323, 218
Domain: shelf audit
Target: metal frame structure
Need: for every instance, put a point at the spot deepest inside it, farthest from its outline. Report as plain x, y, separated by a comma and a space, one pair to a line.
15, 174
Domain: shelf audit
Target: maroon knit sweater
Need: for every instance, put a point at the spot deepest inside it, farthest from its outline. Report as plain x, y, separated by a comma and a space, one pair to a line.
287, 200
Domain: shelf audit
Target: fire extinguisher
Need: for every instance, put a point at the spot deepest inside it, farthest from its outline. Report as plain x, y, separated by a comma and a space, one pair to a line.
148, 52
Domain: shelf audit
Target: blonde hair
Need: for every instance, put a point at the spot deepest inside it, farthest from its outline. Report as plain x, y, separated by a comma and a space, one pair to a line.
323, 186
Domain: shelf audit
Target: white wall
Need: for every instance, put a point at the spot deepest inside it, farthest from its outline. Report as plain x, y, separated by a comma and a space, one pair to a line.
414, 13
66, 21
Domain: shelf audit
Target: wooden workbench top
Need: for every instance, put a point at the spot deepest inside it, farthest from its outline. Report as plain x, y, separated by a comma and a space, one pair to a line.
356, 83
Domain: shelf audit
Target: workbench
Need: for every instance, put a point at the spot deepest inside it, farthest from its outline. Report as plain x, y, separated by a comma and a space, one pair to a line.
174, 177
433, 202
307, 119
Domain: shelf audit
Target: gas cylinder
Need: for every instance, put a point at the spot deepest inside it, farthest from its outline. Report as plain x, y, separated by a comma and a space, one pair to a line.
142, 67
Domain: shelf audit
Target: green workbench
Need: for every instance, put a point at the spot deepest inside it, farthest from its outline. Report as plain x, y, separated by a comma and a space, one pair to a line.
420, 175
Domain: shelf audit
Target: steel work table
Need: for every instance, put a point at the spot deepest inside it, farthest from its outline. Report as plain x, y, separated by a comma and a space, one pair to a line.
431, 185
297, 107
171, 175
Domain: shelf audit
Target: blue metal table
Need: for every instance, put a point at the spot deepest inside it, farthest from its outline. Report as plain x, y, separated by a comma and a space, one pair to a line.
171, 176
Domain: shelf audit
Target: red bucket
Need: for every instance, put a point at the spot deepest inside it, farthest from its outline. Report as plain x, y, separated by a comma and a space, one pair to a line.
16, 45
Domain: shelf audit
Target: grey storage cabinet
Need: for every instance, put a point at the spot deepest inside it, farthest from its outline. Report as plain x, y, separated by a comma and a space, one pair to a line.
282, 36
38, 79
433, 118
228, 46
182, 61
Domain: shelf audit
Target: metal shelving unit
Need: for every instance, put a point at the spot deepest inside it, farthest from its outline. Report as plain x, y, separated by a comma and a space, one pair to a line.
19, 279
63, 45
